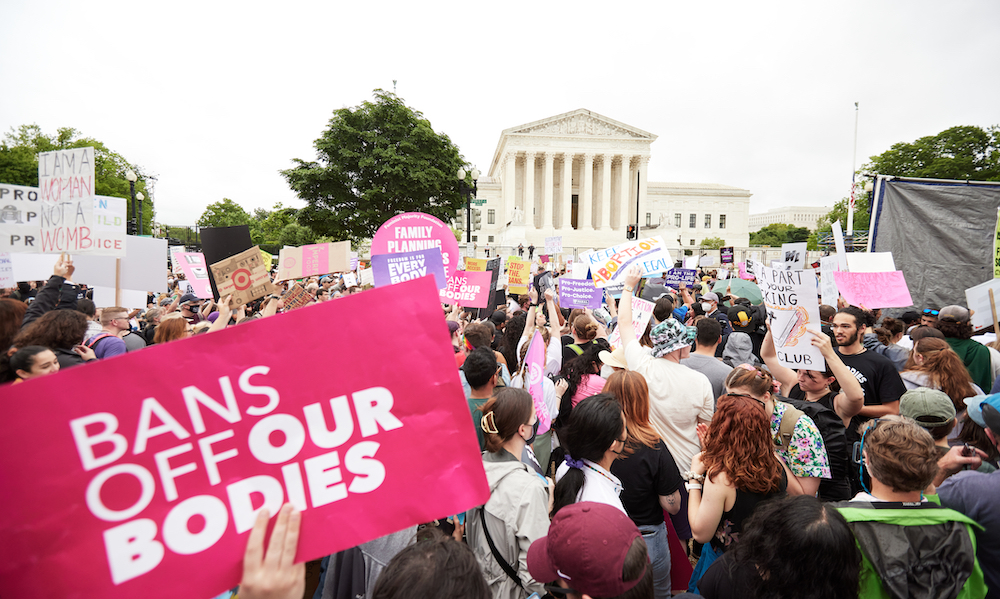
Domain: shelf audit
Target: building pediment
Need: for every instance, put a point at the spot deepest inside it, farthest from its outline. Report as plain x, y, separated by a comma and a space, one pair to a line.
582, 122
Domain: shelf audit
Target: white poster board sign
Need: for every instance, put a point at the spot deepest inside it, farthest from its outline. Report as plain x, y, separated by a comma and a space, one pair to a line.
553, 245
66, 200
792, 309
871, 262
978, 300
642, 311
838, 242
6, 271
828, 285
794, 255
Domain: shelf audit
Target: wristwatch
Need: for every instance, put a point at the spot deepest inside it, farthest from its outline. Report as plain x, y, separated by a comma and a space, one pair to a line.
627, 288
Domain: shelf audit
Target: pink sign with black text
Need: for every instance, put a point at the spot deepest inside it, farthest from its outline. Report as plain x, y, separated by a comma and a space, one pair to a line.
141, 475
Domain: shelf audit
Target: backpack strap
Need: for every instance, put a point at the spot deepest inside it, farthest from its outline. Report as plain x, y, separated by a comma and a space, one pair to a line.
576, 349
507, 568
93, 340
787, 427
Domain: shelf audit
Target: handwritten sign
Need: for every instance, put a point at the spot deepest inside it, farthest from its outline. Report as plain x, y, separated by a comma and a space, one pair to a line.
609, 265
367, 277
389, 269
579, 293
244, 276
828, 284
553, 245
518, 275
66, 200
350, 279
6, 271
794, 255
642, 311
676, 276
475, 264
792, 308
470, 289
415, 231
726, 254
315, 259
192, 264
151, 491
296, 297
874, 289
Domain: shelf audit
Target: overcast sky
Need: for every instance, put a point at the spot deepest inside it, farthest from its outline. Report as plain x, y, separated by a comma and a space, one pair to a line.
215, 98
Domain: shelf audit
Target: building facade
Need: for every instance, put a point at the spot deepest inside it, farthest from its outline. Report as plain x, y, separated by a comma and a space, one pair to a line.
800, 216
583, 176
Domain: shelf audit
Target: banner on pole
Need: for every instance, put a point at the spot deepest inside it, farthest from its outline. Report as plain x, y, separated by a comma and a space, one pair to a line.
151, 491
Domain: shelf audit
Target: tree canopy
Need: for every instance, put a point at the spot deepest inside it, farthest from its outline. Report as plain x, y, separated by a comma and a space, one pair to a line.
956, 153
374, 161
270, 229
776, 234
19, 164
225, 213
713, 243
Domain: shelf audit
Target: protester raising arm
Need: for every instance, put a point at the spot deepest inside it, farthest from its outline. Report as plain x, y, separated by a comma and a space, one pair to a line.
52, 294
625, 327
225, 313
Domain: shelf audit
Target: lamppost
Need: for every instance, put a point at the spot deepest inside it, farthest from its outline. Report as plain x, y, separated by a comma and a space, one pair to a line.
132, 178
468, 191
140, 197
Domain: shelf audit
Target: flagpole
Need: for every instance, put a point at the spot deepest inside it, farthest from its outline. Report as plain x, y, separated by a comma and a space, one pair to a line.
854, 162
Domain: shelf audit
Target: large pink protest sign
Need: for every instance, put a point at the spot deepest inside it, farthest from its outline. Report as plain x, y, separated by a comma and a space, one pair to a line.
415, 231
144, 481
192, 264
874, 289
469, 289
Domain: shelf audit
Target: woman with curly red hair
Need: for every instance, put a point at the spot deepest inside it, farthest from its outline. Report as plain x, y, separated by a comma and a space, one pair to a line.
736, 470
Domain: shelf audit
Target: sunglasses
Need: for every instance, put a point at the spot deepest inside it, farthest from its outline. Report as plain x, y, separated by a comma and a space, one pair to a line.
558, 592
748, 397
931, 312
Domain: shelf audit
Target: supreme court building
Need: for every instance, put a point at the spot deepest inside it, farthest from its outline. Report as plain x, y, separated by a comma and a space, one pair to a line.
583, 176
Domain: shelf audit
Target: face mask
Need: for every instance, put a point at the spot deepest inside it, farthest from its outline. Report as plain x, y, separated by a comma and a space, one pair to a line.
534, 431
606, 371
707, 307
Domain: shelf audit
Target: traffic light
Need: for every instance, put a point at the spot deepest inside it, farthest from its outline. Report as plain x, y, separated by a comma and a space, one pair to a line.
477, 219
630, 232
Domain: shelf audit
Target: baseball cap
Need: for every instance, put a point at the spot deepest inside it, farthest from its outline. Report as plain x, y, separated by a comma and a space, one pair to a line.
956, 313
985, 411
739, 317
586, 546
711, 296
670, 335
189, 297
929, 407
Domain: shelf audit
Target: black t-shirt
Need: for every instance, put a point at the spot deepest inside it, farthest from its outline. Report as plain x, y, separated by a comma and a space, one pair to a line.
727, 578
646, 475
877, 375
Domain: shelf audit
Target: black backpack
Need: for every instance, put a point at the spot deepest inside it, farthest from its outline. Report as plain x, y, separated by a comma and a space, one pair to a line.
831, 427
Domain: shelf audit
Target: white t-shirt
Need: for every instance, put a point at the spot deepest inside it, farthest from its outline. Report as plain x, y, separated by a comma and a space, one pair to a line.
678, 399
599, 485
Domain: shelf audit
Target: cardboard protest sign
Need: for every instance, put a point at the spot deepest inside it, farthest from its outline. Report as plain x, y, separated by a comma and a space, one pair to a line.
608, 266
66, 200
219, 243
794, 255
827, 284
415, 231
315, 259
726, 254
469, 289
389, 269
676, 276
792, 308
579, 293
874, 289
150, 491
475, 264
870, 262
978, 300
296, 297
642, 310
195, 270
553, 245
244, 276
367, 277
518, 275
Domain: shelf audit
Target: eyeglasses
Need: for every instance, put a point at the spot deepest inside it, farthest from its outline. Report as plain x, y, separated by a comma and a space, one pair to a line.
558, 592
930, 312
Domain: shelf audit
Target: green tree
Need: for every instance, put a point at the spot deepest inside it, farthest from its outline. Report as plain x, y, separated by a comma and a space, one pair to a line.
19, 164
374, 161
839, 213
713, 243
776, 234
957, 153
225, 213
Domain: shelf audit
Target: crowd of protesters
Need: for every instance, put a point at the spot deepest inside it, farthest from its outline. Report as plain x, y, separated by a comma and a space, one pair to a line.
687, 459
